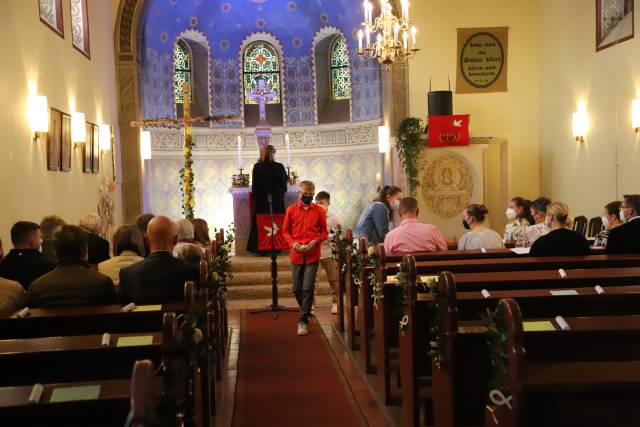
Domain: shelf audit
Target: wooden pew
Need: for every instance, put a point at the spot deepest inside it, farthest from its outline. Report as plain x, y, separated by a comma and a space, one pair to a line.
542, 388
415, 338
385, 321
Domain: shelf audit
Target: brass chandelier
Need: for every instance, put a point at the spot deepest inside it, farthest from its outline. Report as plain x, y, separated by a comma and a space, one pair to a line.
392, 44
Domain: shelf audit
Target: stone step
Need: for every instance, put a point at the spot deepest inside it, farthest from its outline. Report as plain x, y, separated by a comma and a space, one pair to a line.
264, 291
247, 278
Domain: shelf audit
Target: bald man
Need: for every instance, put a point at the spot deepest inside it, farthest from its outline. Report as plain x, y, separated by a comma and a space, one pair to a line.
160, 277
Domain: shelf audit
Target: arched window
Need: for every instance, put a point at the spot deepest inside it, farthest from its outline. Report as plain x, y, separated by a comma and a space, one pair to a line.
181, 70
340, 75
261, 61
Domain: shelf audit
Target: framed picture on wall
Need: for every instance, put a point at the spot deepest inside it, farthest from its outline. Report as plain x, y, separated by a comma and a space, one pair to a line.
95, 152
87, 154
51, 15
54, 137
65, 144
614, 22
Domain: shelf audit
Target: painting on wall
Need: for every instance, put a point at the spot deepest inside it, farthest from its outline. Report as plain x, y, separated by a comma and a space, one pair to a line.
95, 151
54, 137
87, 154
51, 15
65, 144
614, 22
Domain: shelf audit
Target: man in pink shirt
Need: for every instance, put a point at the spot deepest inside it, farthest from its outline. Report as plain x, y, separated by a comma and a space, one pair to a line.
410, 235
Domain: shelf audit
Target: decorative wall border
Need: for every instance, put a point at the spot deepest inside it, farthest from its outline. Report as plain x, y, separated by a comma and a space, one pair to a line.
195, 36
320, 35
269, 38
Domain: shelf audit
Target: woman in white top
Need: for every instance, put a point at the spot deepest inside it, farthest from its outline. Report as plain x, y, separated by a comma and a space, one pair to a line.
519, 216
479, 235
128, 248
540, 228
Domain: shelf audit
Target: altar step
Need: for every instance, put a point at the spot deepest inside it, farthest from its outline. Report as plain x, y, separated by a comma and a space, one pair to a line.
252, 278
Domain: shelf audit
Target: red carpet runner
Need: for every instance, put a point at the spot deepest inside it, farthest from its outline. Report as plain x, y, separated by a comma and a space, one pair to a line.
286, 380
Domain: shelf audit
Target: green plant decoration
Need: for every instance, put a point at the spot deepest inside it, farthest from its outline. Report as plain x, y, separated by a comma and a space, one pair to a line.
496, 339
408, 145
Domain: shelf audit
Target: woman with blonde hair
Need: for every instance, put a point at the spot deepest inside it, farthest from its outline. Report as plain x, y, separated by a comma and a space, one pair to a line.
201, 232
128, 248
561, 240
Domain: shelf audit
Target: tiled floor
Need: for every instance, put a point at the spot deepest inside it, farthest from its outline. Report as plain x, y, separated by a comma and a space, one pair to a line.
361, 388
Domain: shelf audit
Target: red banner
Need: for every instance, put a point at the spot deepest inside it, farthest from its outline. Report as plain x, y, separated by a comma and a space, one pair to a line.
266, 229
445, 131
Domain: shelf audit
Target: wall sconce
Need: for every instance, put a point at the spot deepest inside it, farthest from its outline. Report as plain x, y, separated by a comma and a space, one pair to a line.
145, 145
38, 116
105, 137
383, 139
635, 114
78, 128
580, 125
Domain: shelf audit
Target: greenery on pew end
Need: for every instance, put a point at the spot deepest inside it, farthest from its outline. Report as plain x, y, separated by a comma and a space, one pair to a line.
220, 269
496, 342
436, 307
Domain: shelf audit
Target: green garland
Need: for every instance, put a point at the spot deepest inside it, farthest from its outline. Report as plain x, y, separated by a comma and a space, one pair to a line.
496, 339
436, 306
220, 270
408, 145
187, 187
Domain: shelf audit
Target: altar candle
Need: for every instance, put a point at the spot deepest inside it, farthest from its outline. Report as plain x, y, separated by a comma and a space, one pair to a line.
378, 181
239, 152
286, 143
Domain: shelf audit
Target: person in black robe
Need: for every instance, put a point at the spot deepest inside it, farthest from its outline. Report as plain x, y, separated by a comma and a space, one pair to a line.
268, 177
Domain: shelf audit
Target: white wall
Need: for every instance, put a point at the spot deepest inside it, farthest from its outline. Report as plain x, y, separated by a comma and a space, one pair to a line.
36, 57
586, 175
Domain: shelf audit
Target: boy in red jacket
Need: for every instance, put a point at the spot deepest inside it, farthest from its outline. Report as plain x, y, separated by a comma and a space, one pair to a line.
304, 229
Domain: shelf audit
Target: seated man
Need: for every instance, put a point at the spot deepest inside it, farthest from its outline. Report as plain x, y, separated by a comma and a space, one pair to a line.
410, 235
98, 247
625, 239
160, 277
24, 263
12, 296
71, 283
49, 226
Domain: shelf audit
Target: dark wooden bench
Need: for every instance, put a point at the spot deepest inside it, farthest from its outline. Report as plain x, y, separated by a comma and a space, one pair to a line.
385, 320
459, 307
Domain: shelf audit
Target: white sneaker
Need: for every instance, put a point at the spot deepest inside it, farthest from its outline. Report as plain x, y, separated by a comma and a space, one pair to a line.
302, 329
334, 308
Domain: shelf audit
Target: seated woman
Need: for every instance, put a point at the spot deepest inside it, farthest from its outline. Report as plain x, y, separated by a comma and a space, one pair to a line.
201, 232
190, 253
374, 220
561, 240
479, 236
519, 217
610, 220
533, 232
128, 248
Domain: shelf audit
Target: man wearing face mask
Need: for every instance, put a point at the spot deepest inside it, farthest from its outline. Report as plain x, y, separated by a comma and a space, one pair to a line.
305, 228
610, 220
626, 238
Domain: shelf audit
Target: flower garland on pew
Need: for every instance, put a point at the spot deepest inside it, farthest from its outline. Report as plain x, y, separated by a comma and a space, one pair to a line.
399, 305
220, 268
436, 306
496, 339
187, 187
372, 258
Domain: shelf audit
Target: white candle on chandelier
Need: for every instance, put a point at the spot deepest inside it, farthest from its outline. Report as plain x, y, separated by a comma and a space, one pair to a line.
405, 38
239, 152
360, 36
368, 31
288, 147
413, 37
396, 30
405, 9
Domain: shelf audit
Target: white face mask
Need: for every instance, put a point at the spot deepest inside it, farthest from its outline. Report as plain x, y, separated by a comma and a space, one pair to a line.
511, 214
605, 221
622, 217
396, 205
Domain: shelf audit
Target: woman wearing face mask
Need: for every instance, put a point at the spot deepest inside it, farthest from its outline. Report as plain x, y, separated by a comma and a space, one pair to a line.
479, 236
610, 220
374, 221
539, 228
561, 240
519, 217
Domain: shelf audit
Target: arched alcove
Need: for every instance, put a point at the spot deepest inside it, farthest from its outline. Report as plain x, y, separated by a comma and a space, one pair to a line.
330, 108
200, 73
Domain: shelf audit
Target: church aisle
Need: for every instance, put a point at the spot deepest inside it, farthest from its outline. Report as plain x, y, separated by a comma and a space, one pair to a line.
286, 380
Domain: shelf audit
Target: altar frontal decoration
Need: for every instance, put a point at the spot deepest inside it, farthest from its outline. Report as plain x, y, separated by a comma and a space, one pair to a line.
482, 60
447, 186
445, 131
267, 229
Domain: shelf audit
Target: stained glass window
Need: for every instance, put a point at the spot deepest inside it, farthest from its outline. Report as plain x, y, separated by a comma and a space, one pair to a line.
340, 74
182, 69
261, 61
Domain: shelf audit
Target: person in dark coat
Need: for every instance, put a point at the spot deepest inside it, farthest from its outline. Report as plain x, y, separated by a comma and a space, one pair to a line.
24, 263
626, 238
268, 177
49, 226
98, 247
159, 278
560, 241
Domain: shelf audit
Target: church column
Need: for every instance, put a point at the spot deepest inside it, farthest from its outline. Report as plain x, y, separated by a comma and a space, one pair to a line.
394, 110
